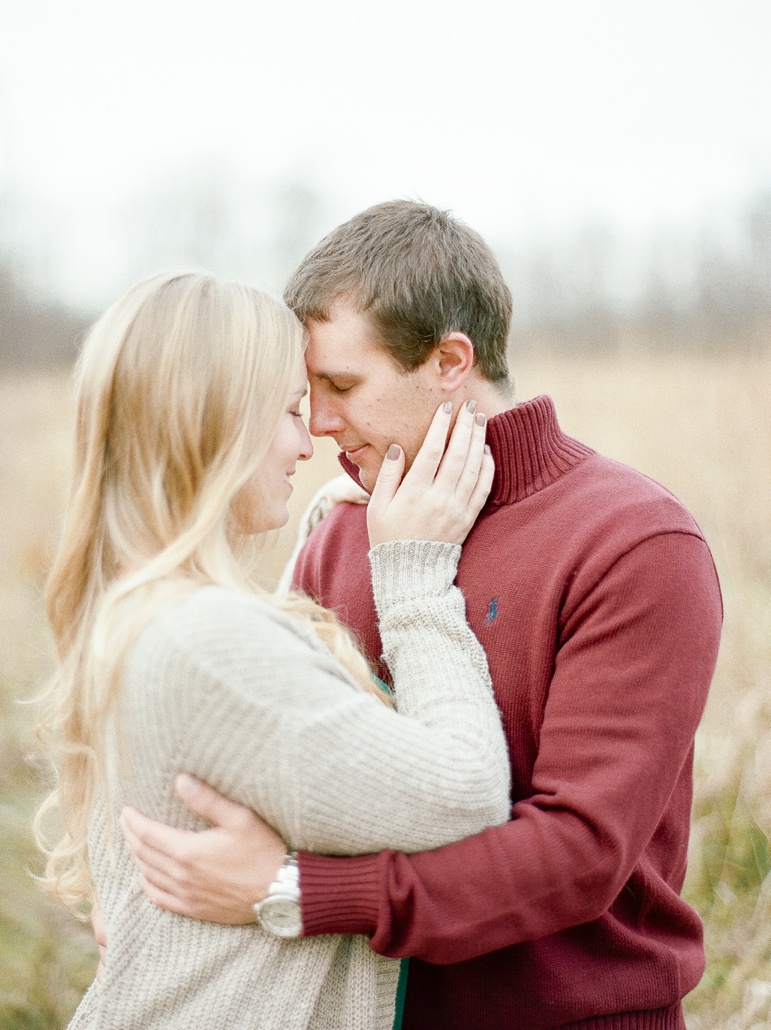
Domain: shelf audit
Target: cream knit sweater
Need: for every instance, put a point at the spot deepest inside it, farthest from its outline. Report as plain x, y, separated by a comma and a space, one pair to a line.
224, 685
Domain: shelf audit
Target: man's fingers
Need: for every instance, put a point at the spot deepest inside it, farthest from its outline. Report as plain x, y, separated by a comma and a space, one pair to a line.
162, 875
160, 852
163, 899
176, 882
153, 876
205, 801
193, 907
145, 835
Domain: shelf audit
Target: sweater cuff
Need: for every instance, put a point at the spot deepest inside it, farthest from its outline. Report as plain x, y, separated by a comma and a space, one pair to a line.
403, 570
339, 895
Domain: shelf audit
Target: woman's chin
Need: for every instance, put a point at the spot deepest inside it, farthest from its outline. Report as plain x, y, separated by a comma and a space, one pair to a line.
276, 520
263, 523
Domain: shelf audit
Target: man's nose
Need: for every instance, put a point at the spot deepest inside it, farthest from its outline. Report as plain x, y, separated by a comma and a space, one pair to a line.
324, 419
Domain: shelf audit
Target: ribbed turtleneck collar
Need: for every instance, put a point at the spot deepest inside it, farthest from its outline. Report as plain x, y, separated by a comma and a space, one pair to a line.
529, 449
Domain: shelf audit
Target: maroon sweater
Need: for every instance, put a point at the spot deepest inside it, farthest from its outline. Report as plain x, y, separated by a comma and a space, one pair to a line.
597, 601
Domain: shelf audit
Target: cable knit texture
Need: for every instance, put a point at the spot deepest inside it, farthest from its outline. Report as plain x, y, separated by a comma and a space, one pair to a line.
597, 602
231, 689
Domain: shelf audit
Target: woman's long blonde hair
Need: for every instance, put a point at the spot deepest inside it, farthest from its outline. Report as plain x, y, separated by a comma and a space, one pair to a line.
180, 386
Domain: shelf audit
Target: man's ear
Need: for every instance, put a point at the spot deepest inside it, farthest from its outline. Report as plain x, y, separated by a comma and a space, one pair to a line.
454, 358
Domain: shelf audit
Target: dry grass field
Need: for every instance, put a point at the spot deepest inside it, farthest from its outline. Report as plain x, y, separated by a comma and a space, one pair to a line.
702, 427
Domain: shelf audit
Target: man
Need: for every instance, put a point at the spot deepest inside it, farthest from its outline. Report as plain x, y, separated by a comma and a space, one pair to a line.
596, 599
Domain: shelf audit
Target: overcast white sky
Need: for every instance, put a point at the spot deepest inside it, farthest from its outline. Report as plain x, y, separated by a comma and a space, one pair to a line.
521, 115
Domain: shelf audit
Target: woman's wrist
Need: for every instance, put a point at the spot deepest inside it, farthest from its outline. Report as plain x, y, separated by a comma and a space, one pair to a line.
404, 570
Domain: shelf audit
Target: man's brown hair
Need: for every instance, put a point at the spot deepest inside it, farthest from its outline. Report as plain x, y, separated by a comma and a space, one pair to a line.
419, 274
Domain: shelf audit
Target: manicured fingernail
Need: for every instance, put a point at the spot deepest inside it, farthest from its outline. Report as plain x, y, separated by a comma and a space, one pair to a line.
480, 419
447, 407
393, 452
471, 407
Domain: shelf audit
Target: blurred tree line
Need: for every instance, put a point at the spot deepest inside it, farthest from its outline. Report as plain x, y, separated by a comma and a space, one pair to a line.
707, 289
34, 333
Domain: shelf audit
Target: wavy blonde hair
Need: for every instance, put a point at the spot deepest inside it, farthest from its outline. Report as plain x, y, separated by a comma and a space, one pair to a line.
180, 387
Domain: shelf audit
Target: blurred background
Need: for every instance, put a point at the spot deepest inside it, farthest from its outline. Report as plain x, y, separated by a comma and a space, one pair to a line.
617, 156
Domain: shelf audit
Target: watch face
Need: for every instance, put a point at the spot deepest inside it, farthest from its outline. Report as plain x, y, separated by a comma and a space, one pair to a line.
281, 916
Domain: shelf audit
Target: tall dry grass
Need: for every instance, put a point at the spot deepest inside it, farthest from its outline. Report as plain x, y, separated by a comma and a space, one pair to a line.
701, 427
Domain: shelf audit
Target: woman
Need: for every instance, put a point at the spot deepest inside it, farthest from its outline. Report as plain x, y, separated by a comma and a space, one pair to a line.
170, 658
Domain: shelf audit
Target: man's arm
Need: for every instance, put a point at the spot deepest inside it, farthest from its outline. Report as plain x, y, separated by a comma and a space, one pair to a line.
214, 874
643, 644
570, 848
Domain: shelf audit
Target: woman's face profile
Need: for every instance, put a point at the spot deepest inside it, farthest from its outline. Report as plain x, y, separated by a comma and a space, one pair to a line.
262, 503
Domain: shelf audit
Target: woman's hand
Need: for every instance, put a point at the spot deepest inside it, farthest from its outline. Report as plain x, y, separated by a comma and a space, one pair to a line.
444, 490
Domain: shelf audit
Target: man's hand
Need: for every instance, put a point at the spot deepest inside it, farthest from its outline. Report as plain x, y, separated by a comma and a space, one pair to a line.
215, 874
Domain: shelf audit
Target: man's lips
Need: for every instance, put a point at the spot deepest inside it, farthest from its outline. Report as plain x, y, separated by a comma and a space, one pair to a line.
353, 453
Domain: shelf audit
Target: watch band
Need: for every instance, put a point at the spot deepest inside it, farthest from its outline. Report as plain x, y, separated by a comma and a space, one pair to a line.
288, 876
279, 912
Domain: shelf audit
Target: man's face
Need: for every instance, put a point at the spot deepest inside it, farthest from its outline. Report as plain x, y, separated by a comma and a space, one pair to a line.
361, 397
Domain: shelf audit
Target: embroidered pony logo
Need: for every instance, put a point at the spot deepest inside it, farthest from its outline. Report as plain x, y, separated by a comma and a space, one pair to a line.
492, 612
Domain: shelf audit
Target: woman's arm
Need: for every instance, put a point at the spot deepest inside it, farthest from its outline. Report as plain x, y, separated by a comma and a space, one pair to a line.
265, 715
438, 775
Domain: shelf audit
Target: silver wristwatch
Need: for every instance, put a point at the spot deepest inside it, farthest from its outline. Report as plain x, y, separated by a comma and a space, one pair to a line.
280, 913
